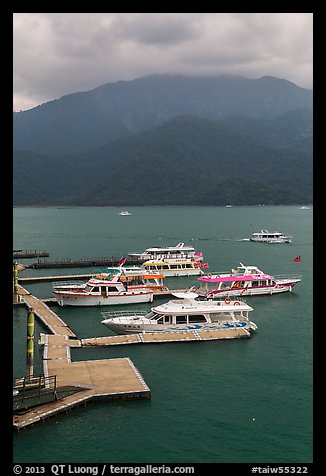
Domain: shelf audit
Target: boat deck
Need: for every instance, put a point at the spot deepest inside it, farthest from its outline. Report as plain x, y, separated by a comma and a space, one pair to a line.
45, 314
95, 379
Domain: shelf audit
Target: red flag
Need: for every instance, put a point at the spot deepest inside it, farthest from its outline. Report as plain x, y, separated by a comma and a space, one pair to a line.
121, 261
204, 265
197, 264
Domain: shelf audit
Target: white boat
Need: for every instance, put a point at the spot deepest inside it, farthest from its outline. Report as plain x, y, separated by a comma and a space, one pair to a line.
115, 286
184, 314
166, 252
173, 267
244, 281
265, 236
125, 213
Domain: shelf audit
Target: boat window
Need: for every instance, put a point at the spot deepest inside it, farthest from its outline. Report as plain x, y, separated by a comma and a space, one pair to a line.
88, 288
153, 316
95, 289
196, 318
181, 320
255, 284
113, 289
220, 315
167, 320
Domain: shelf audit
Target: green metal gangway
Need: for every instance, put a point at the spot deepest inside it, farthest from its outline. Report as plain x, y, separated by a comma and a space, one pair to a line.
29, 392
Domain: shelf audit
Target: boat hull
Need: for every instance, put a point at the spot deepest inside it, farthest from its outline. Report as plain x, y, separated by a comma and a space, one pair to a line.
73, 300
256, 291
168, 273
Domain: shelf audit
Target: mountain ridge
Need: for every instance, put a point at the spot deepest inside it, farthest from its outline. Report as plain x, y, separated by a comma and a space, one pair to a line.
187, 160
85, 120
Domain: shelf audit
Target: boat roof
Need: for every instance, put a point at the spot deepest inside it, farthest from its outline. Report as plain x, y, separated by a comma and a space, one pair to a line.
116, 274
190, 304
215, 278
265, 232
163, 249
177, 247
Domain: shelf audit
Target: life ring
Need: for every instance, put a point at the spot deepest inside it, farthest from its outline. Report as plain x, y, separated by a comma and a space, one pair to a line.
236, 303
209, 275
227, 300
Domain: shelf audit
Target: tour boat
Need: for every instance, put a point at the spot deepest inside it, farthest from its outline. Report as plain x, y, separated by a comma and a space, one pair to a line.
244, 281
265, 236
125, 213
174, 267
184, 314
115, 286
166, 252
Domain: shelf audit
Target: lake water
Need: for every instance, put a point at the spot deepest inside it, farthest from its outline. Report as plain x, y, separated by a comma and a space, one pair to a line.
238, 401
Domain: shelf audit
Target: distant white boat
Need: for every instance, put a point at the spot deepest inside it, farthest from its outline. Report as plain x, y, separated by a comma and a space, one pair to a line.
265, 236
228, 206
125, 213
304, 208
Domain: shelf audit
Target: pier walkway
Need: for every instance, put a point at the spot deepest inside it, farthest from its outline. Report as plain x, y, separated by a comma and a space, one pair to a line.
49, 318
96, 379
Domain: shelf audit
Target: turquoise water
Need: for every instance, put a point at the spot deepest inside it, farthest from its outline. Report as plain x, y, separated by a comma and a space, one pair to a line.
220, 402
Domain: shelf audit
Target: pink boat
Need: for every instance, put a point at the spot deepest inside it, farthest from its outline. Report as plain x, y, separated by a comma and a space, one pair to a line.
244, 281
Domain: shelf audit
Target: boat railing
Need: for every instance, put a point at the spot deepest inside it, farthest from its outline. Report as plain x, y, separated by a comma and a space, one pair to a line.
221, 301
113, 314
287, 276
75, 284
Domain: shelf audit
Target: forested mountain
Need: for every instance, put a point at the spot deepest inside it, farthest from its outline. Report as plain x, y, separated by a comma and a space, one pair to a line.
187, 160
88, 120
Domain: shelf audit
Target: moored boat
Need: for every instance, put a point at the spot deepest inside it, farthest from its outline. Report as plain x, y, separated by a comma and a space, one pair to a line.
183, 314
168, 252
244, 281
174, 267
114, 286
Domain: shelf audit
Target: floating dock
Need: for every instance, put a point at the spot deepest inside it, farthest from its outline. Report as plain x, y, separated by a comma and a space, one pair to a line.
177, 336
79, 263
44, 279
96, 379
23, 254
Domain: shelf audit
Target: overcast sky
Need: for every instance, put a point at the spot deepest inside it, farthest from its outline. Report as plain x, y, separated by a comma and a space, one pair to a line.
60, 53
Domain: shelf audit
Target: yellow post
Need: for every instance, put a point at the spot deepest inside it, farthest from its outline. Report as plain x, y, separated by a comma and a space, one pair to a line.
15, 279
30, 342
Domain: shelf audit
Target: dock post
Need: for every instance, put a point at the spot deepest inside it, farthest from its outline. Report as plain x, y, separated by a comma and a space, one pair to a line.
30, 343
16, 295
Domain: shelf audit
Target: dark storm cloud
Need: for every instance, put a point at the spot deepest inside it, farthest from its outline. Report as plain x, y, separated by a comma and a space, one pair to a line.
60, 53
158, 29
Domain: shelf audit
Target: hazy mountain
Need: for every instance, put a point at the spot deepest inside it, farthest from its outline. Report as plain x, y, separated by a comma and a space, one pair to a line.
185, 161
85, 121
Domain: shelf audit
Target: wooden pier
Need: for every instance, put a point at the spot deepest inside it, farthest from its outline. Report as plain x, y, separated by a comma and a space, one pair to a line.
80, 263
164, 337
23, 254
44, 279
96, 379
